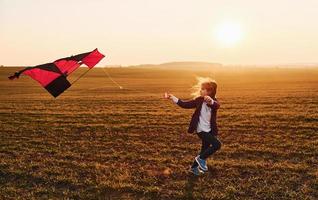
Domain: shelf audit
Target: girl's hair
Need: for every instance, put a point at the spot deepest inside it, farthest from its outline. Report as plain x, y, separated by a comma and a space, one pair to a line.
206, 82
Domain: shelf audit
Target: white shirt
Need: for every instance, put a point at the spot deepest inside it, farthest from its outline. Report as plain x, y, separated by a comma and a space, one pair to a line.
204, 123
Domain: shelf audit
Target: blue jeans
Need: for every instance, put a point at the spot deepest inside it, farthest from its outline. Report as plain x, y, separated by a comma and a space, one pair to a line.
210, 144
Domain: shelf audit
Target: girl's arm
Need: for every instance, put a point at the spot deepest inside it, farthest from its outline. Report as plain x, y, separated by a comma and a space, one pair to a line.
216, 105
187, 104
182, 104
213, 103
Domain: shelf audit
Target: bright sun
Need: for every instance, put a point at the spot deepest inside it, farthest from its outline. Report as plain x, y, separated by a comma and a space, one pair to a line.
229, 34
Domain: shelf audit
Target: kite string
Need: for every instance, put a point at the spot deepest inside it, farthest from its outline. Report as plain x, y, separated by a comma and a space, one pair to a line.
81, 76
110, 78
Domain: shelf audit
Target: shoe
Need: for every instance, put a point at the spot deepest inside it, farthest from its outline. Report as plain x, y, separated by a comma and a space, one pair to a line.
201, 163
202, 172
195, 171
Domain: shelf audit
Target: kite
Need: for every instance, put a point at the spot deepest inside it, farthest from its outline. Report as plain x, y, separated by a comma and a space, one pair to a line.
53, 76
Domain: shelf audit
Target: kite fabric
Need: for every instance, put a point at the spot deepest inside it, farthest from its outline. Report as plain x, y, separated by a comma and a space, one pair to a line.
52, 76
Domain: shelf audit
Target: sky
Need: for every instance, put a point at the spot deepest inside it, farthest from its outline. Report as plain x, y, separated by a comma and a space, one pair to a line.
131, 32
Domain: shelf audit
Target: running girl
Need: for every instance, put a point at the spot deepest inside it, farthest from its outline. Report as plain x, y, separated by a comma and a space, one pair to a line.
203, 121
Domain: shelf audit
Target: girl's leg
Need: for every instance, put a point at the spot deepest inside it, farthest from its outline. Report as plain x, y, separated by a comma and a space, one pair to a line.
216, 145
205, 145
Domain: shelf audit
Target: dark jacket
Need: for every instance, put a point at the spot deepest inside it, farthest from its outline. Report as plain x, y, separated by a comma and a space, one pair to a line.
197, 104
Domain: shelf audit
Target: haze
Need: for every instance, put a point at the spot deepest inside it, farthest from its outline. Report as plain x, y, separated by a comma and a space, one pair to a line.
143, 31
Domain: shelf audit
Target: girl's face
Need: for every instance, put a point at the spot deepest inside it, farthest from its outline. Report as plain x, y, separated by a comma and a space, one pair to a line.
203, 91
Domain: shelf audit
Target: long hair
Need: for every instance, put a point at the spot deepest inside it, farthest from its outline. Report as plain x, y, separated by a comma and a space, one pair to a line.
207, 83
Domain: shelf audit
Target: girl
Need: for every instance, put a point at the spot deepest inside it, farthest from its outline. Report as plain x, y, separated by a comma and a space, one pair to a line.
203, 121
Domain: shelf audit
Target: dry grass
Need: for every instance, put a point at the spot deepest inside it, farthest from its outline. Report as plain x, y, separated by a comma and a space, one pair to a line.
96, 141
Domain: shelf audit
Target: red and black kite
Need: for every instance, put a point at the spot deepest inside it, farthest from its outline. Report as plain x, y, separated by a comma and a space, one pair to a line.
52, 76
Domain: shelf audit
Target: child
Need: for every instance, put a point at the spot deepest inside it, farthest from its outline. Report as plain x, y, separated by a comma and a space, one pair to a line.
203, 122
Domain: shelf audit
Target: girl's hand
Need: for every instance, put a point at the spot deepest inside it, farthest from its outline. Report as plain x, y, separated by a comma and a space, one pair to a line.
167, 95
208, 100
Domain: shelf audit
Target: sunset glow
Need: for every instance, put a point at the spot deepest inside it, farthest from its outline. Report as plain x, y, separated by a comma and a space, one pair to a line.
142, 31
228, 34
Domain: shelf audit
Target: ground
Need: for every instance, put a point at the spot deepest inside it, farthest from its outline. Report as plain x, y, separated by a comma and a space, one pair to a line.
96, 141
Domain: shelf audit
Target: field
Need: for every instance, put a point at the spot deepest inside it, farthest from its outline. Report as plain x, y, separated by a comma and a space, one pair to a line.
99, 142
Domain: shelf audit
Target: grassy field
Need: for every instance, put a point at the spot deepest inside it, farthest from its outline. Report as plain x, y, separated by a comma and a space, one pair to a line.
99, 142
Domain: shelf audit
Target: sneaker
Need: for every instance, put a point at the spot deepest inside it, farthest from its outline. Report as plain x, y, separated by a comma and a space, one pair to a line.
202, 172
195, 171
201, 163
